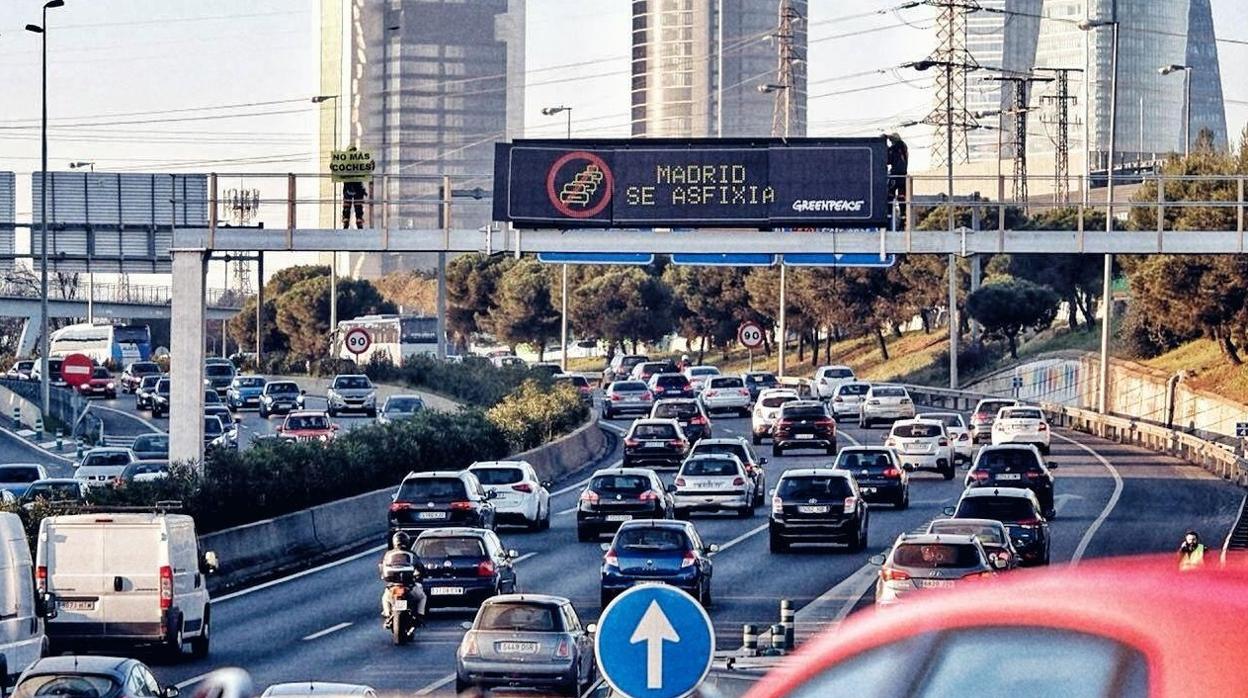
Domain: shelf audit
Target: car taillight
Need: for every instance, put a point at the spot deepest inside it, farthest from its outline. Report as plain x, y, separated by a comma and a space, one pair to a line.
658, 389
616, 397
401, 506
712, 393
611, 559
564, 650
632, 443
523, 487
891, 442
589, 497
1030, 523
1032, 475
469, 647
943, 442
688, 560
680, 482
1042, 427
41, 578
647, 395
904, 401
461, 506
166, 588
851, 503
743, 391
979, 576
699, 419
777, 505
980, 475
486, 568
649, 496
979, 418
891, 574
825, 423
891, 472
738, 481
677, 443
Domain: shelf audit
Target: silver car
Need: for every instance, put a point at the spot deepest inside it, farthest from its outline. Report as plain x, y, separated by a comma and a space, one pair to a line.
925, 561
885, 403
714, 482
625, 396
726, 394
847, 399
399, 407
526, 641
352, 393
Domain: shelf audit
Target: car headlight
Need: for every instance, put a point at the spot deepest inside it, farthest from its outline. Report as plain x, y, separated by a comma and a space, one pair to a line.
370, 399
110, 385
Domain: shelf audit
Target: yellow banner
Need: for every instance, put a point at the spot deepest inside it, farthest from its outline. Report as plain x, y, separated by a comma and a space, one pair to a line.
351, 165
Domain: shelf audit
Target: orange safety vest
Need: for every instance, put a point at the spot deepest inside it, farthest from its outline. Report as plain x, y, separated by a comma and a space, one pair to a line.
1192, 560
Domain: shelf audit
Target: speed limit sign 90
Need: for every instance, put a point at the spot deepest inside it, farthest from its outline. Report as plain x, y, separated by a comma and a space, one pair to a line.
750, 335
358, 340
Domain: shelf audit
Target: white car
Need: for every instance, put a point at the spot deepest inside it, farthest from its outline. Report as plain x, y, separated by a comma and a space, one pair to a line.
726, 394
847, 399
714, 482
519, 495
698, 376
922, 444
1021, 425
828, 378
959, 434
767, 409
103, 466
885, 403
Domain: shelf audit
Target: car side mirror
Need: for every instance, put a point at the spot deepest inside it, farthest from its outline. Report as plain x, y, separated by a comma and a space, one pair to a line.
547, 483
170, 692
908, 467
1052, 466
591, 628
466, 625
877, 560
512, 554
606, 547
712, 548
334, 427
45, 605
302, 393
948, 511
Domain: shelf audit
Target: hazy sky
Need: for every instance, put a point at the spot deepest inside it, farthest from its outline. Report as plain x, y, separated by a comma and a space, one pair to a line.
147, 84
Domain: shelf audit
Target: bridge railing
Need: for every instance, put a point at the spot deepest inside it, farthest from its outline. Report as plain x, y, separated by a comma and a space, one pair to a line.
139, 294
1214, 457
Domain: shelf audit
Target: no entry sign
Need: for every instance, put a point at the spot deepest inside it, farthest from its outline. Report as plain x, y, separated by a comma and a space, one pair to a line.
76, 369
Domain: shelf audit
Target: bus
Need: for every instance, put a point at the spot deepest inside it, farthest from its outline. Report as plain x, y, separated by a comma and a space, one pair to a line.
395, 337
120, 344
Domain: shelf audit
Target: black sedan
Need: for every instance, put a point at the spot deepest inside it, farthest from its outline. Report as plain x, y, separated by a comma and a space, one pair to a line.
879, 473
618, 495
1015, 507
803, 424
462, 567
98, 677
688, 412
143, 393
436, 499
665, 385
655, 442
758, 381
818, 505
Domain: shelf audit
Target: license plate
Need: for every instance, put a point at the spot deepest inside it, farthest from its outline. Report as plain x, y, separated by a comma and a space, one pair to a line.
654, 444
812, 509
517, 647
77, 605
805, 436
869, 490
935, 583
432, 515
400, 604
1010, 476
619, 517
446, 591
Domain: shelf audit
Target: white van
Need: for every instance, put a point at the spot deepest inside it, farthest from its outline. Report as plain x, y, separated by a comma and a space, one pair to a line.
22, 641
125, 579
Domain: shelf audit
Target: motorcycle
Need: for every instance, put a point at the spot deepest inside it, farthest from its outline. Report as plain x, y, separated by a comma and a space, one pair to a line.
402, 615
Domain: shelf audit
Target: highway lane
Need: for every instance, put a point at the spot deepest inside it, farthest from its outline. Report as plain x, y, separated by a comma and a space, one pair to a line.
325, 625
14, 449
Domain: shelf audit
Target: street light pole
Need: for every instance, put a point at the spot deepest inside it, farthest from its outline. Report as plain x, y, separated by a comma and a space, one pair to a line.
333, 255
563, 297
90, 273
1187, 102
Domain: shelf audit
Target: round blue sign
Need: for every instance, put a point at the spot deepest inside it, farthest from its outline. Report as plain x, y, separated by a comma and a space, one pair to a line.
654, 641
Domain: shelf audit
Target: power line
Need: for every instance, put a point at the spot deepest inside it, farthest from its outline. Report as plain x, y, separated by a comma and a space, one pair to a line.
150, 112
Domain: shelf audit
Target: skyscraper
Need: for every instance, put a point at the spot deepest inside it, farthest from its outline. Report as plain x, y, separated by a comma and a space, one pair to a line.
680, 72
428, 86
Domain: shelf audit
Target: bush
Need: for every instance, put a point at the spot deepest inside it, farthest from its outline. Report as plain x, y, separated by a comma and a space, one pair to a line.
474, 381
531, 416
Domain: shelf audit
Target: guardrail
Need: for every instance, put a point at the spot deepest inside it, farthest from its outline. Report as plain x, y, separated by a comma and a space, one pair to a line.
1212, 456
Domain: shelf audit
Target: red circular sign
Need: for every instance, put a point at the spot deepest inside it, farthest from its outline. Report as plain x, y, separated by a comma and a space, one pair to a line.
76, 369
358, 340
587, 192
750, 335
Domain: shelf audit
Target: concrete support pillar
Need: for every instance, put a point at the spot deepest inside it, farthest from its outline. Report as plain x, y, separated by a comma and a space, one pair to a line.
30, 335
186, 396
976, 278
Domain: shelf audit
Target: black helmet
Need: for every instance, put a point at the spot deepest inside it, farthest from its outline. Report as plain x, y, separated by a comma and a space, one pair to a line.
401, 540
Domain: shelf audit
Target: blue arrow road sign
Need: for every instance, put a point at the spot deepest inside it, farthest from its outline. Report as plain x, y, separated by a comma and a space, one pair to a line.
839, 260
723, 260
595, 258
654, 641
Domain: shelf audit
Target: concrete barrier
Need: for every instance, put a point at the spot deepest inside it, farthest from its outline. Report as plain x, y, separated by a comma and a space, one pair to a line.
263, 549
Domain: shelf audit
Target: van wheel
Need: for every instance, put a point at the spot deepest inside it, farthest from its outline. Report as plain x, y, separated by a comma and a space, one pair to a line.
199, 645
173, 645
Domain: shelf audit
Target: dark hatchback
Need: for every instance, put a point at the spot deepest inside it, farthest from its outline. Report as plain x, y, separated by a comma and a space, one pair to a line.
615, 496
644, 370
90, 677
438, 499
136, 372
655, 442
1014, 465
143, 393
688, 412
160, 398
279, 397
1019, 510
803, 424
669, 385
667, 552
758, 381
461, 567
879, 474
818, 505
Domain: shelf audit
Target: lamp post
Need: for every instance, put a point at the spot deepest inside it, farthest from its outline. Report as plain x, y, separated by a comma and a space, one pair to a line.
1108, 272
333, 255
45, 394
1187, 102
782, 317
563, 296
90, 274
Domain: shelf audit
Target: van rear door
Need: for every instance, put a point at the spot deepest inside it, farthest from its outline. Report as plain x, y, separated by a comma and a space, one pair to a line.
134, 555
75, 564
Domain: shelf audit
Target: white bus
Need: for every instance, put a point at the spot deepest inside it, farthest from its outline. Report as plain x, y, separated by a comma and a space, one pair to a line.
120, 344
395, 337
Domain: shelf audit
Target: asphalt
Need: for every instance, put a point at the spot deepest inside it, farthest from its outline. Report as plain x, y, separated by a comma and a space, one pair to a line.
324, 624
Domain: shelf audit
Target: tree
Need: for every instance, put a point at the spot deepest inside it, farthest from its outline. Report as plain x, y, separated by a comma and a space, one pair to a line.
303, 311
623, 305
524, 312
242, 327
413, 291
707, 302
1005, 307
471, 289
1190, 295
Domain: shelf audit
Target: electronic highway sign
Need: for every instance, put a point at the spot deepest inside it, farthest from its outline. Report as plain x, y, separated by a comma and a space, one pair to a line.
715, 183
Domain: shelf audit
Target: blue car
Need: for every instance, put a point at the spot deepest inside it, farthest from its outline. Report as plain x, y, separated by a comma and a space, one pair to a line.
667, 552
17, 477
244, 392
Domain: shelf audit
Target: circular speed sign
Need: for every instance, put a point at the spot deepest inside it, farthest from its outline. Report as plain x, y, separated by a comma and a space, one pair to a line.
358, 340
750, 335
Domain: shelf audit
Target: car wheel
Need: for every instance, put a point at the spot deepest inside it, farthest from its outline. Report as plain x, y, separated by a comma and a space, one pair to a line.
584, 535
706, 594
864, 424
199, 645
173, 645
776, 544
831, 451
860, 543
948, 472
607, 414
461, 686
545, 525
372, 414
1044, 448
777, 452
743, 412
745, 512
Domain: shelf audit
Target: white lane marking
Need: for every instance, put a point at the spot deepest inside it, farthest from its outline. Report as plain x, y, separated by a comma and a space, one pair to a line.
849, 436
299, 575
1226, 543
1109, 506
522, 558
741, 538
327, 631
850, 590
578, 485
127, 415
194, 680
33, 447
567, 511
436, 685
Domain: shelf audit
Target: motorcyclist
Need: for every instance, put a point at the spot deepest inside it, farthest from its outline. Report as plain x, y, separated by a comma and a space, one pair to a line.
400, 567
1191, 552
685, 362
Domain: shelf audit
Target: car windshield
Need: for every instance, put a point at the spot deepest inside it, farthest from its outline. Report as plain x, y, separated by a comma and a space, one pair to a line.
404, 404
151, 442
146, 468
445, 546
163, 386
888, 392
727, 383
988, 535
433, 489
730, 449
1023, 413
675, 410
249, 382
704, 371
142, 367
212, 426
66, 686
814, 487
53, 490
803, 412
307, 422
654, 431
211, 397
149, 382
838, 373
628, 387
668, 380
620, 484
991, 407
281, 388
18, 473
498, 476
218, 370
764, 379
949, 420
853, 389
532, 617
710, 467
1007, 460
875, 461
100, 372
111, 458
936, 556
997, 508
777, 400
918, 431
648, 539
351, 383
